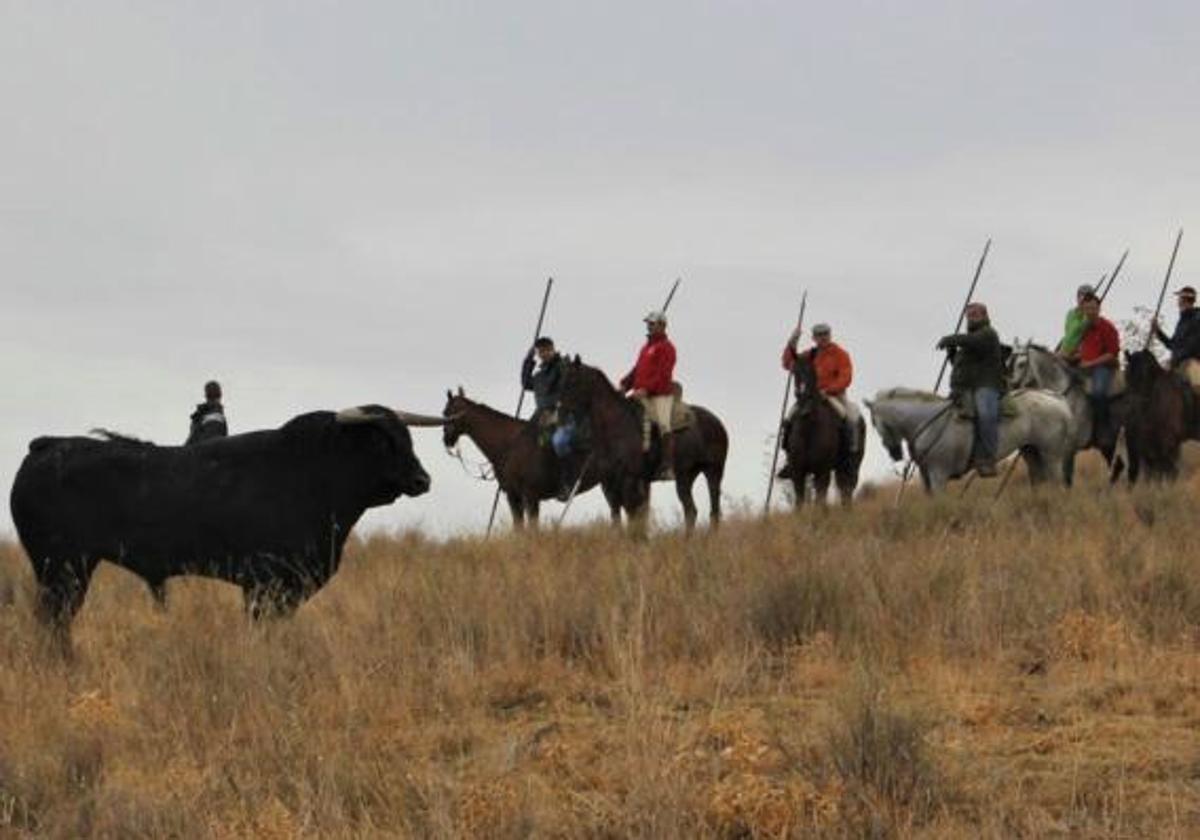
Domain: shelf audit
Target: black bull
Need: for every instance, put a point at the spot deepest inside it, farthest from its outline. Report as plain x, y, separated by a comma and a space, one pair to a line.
269, 511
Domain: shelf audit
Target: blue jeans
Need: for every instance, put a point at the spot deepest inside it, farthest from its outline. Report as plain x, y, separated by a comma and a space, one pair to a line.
562, 440
987, 423
1102, 377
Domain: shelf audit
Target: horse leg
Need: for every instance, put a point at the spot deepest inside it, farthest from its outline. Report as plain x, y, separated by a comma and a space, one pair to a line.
821, 480
532, 509
799, 487
516, 506
636, 501
613, 497
683, 488
712, 477
847, 480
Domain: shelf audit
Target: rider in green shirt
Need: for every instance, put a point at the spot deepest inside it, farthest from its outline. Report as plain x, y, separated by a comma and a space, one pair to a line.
1076, 324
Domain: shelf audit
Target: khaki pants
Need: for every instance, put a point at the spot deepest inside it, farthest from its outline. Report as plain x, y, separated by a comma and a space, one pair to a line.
657, 410
1189, 369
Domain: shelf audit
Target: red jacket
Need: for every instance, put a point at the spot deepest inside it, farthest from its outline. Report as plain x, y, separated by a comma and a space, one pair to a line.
655, 369
832, 365
1100, 339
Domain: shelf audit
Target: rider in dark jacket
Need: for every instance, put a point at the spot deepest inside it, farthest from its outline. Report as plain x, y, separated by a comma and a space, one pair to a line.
1184, 344
546, 380
208, 420
978, 376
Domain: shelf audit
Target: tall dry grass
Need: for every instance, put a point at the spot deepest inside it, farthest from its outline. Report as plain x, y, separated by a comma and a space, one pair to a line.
952, 668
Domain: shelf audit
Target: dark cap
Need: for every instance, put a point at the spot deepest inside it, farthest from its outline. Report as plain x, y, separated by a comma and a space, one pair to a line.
1186, 291
544, 341
212, 390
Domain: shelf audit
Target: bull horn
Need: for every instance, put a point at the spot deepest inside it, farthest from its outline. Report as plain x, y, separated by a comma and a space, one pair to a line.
410, 419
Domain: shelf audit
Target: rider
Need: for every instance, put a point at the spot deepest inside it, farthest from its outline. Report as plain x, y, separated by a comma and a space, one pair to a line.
978, 377
208, 420
1185, 343
546, 384
1076, 323
1099, 354
651, 382
834, 371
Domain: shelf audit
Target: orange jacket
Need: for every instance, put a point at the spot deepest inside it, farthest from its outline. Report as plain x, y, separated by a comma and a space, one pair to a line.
834, 369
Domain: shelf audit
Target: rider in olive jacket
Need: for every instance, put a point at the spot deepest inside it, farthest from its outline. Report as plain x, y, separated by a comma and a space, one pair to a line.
978, 376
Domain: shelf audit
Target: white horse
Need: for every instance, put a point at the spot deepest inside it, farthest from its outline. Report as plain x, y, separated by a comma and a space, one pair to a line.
1034, 366
940, 442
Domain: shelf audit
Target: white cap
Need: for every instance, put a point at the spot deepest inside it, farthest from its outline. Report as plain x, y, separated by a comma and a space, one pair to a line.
656, 317
821, 329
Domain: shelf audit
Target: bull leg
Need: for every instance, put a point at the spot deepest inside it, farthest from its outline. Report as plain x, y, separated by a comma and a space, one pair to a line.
683, 488
276, 599
62, 586
158, 591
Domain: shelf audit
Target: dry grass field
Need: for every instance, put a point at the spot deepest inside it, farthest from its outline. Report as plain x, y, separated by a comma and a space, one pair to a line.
951, 669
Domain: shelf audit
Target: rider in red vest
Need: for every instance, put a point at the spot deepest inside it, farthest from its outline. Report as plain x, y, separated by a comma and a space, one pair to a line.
652, 383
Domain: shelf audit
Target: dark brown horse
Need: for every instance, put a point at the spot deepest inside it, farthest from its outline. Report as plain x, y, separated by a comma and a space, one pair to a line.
1161, 417
817, 444
613, 426
527, 471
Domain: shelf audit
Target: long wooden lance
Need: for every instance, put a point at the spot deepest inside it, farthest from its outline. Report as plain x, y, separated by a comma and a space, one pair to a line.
962, 314
537, 331
1112, 278
787, 394
1162, 294
579, 478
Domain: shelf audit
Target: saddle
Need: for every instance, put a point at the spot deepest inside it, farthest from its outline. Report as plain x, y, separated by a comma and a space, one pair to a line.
682, 415
965, 408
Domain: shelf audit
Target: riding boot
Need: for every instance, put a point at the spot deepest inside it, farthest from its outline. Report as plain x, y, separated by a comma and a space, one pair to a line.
666, 467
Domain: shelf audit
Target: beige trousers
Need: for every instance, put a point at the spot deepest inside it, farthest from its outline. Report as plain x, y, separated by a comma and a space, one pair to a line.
657, 411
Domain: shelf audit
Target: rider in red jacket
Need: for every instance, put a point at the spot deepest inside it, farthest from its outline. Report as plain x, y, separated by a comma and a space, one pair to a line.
652, 383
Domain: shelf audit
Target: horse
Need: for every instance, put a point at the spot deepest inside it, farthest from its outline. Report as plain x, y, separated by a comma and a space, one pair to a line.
527, 471
816, 444
1160, 418
1035, 366
940, 442
613, 424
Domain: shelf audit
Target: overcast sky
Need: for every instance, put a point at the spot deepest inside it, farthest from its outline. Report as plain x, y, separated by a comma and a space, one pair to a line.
324, 204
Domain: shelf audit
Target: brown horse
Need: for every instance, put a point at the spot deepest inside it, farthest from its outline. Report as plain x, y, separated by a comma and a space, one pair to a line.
613, 426
527, 471
1161, 417
816, 442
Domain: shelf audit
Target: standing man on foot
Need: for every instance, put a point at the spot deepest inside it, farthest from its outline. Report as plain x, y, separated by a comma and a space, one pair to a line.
652, 383
978, 380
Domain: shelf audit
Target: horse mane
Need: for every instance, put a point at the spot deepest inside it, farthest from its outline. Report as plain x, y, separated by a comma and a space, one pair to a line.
1033, 345
902, 393
117, 437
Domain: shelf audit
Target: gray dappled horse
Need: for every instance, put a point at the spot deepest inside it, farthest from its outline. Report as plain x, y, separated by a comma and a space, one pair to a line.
1035, 366
940, 442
